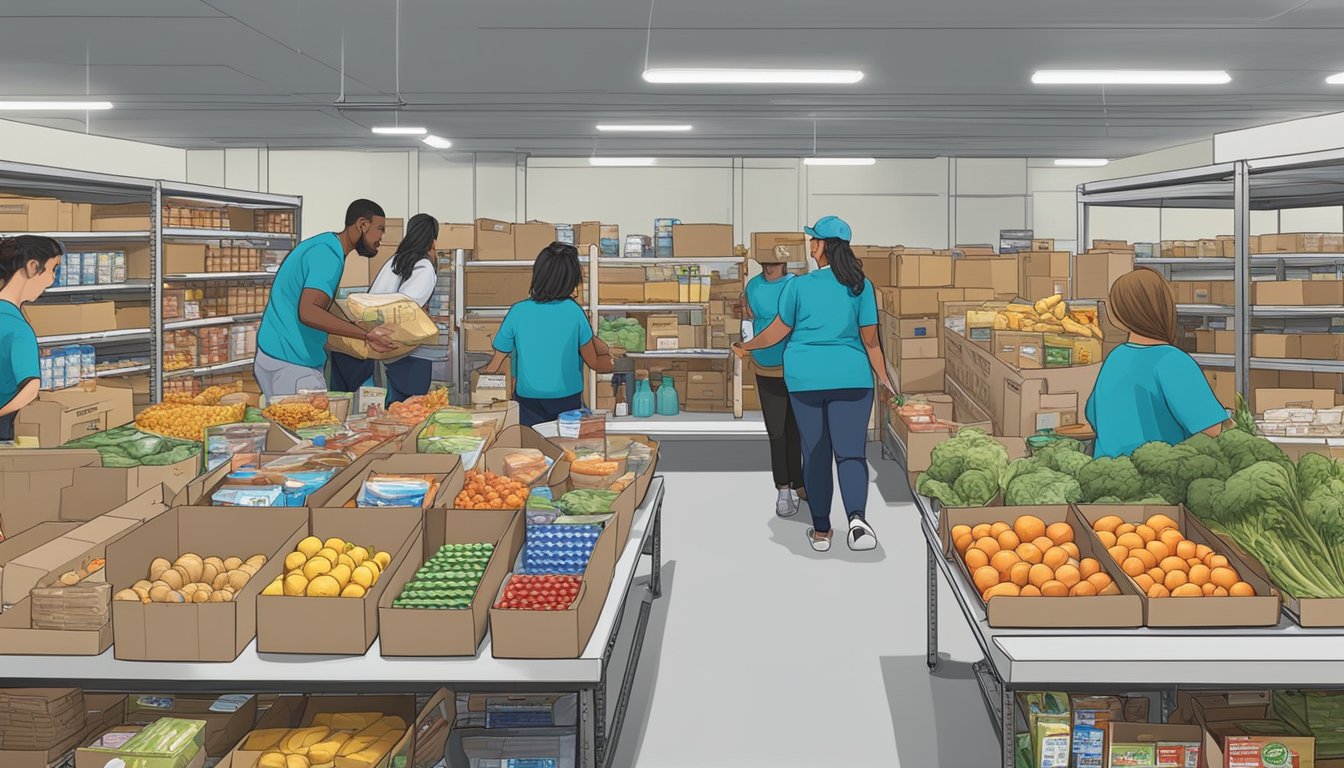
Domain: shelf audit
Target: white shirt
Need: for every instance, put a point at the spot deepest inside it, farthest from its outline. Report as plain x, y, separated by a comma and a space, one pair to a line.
419, 287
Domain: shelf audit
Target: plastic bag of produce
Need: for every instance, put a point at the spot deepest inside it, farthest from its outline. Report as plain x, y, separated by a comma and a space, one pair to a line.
395, 491
410, 326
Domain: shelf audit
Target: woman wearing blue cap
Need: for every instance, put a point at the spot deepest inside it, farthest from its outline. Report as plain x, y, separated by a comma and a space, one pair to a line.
829, 318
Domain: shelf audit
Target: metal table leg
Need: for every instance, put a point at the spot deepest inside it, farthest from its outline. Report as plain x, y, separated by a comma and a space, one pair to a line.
655, 551
932, 656
587, 742
627, 684
1008, 726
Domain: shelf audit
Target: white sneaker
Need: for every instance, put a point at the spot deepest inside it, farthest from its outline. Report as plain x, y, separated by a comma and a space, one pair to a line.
819, 543
793, 499
861, 537
786, 505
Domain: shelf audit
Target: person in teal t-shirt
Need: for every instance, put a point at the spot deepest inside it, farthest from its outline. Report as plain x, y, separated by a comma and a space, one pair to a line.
786, 450
27, 268
1148, 390
548, 339
833, 353
292, 340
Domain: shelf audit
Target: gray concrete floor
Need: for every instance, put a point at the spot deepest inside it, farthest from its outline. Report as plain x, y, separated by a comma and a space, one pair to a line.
764, 653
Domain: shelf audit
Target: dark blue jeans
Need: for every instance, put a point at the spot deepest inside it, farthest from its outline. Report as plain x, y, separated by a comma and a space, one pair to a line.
537, 410
406, 377
833, 424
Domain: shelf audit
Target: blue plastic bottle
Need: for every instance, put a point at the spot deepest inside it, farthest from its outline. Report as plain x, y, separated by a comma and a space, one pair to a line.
642, 406
668, 403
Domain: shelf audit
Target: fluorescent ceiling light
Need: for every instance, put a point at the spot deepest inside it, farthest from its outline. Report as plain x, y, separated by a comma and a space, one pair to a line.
35, 106
621, 161
839, 161
1130, 77
649, 128
399, 130
1335, 79
437, 142
753, 76
1082, 162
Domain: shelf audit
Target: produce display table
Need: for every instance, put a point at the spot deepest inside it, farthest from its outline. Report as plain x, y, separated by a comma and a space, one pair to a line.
1138, 659
254, 672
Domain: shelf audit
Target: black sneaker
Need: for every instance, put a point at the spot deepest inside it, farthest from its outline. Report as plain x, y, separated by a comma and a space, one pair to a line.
861, 536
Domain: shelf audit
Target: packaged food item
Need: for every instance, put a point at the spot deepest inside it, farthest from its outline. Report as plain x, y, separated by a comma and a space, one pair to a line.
248, 496
558, 549
226, 442
396, 491
527, 465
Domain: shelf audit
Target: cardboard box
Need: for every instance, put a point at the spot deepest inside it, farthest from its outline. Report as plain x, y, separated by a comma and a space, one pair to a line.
356, 273
530, 239
205, 631
516, 634
338, 626
919, 445
663, 292
589, 233
707, 385
1262, 610
1112, 245
1227, 745
455, 236
185, 258
422, 744
1020, 349
902, 350
1298, 293
1095, 273
1021, 402
223, 730
22, 543
479, 334
420, 632
129, 318
1042, 287
925, 302
993, 273
100, 711
68, 552
1174, 746
1123, 610
494, 241
1042, 245
125, 217
50, 485
344, 488
712, 241
1042, 264
1276, 345
608, 276
622, 293
912, 269
497, 287
71, 319
1322, 346
58, 417
921, 375
769, 245
30, 214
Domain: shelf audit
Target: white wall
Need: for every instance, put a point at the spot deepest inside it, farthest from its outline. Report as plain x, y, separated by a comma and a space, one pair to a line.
22, 143
1293, 137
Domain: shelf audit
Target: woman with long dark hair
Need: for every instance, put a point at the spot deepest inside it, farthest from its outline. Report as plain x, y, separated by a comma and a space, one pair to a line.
412, 272
549, 339
829, 319
27, 268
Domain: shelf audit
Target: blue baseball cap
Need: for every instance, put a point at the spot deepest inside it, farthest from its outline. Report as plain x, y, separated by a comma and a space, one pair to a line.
828, 227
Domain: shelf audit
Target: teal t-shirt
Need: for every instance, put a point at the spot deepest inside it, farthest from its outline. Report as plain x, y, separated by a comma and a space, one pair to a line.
763, 298
544, 340
18, 346
1146, 394
314, 263
824, 350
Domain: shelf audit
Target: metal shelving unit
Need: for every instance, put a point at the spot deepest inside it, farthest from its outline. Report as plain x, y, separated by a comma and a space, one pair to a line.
1272, 184
206, 322
94, 188
593, 306
232, 365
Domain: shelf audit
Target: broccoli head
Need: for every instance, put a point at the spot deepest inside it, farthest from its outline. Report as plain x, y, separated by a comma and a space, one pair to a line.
969, 449
1314, 471
1242, 450
1167, 470
1108, 476
937, 489
1044, 486
1064, 456
976, 487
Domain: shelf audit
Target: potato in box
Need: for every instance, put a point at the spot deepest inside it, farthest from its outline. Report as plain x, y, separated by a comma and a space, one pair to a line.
184, 543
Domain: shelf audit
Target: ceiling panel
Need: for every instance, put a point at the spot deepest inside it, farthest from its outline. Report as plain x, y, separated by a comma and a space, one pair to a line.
946, 78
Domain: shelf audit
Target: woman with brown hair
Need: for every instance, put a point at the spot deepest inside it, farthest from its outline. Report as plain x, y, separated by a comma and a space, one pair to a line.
1148, 390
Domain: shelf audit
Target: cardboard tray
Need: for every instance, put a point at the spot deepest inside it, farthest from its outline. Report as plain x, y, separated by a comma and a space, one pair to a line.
419, 632
338, 625
1123, 610
200, 631
422, 745
556, 634
1259, 611
19, 638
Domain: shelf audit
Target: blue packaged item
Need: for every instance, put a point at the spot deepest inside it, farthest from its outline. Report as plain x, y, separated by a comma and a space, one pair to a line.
392, 492
1088, 746
89, 274
88, 367
249, 496
299, 485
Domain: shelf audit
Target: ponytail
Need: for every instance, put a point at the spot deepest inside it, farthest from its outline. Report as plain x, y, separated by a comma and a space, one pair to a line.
845, 265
